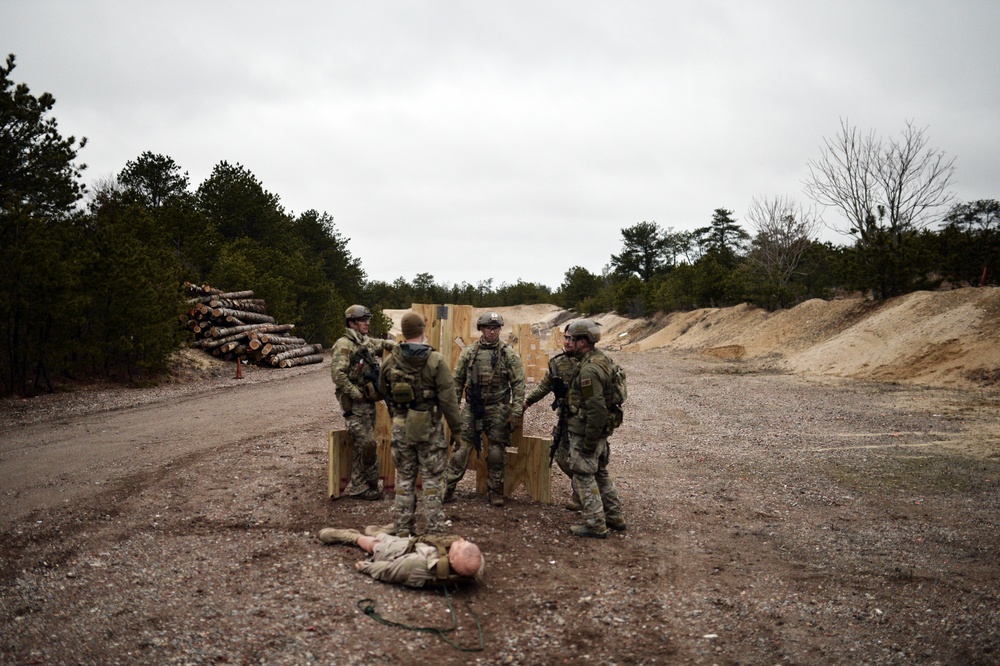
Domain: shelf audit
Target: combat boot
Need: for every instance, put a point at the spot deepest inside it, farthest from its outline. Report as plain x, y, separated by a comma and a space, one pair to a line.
496, 500
331, 535
372, 494
586, 531
616, 524
574, 504
449, 495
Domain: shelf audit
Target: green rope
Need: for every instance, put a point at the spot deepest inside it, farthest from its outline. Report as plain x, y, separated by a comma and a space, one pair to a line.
367, 607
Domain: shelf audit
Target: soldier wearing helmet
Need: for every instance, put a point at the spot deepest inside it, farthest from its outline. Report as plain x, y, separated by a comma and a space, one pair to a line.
492, 377
589, 425
354, 367
560, 372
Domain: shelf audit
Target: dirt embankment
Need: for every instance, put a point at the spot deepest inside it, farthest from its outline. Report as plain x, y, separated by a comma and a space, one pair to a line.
948, 339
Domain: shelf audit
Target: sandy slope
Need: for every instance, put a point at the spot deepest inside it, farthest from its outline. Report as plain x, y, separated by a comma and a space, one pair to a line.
947, 338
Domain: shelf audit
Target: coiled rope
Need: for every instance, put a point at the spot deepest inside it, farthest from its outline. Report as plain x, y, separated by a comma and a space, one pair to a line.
367, 606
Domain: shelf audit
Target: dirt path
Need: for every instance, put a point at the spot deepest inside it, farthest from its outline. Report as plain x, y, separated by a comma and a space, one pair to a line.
66, 459
772, 519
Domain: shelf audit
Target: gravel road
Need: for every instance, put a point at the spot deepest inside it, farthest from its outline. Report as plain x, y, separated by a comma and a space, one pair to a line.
773, 519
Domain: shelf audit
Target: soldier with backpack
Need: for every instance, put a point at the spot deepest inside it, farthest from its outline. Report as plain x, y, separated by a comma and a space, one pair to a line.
561, 369
417, 383
594, 399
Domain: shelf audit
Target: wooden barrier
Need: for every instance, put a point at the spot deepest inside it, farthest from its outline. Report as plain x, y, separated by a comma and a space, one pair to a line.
528, 466
339, 449
534, 358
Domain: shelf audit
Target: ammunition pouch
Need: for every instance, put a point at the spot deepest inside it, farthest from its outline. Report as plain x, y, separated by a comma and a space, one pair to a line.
403, 393
371, 392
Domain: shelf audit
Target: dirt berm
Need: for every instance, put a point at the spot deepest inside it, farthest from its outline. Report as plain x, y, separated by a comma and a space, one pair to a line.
949, 338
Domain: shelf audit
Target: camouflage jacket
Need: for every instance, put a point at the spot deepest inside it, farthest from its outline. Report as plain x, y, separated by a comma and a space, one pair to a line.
351, 368
587, 397
497, 371
556, 380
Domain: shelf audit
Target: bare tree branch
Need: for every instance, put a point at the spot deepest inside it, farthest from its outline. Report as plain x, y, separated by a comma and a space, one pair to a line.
784, 230
878, 185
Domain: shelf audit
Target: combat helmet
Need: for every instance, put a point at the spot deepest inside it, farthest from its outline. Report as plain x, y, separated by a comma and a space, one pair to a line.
489, 319
356, 312
585, 328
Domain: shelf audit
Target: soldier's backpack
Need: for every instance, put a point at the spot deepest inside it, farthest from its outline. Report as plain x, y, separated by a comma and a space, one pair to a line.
617, 395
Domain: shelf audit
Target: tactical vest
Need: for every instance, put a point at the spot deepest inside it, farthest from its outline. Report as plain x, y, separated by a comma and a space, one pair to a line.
442, 573
412, 390
490, 370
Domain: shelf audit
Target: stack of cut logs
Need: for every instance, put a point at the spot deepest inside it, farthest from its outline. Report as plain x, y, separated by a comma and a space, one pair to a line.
235, 325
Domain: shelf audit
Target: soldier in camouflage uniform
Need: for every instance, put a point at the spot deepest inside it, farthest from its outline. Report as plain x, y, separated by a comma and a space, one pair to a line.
492, 376
556, 380
589, 428
354, 367
417, 382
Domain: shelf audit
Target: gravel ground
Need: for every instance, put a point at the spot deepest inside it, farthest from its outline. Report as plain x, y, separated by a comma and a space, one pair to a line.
773, 519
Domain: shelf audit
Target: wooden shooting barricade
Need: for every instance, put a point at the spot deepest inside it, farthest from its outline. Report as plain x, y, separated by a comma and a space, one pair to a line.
448, 331
528, 466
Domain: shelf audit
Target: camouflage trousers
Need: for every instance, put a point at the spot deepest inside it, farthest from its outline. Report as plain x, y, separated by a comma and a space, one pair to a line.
429, 459
592, 483
364, 461
562, 455
562, 449
494, 424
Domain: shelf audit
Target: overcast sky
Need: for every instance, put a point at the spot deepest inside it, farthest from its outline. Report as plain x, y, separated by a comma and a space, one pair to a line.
511, 140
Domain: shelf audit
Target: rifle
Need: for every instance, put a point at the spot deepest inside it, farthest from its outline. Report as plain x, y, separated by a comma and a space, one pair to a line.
558, 405
369, 373
474, 395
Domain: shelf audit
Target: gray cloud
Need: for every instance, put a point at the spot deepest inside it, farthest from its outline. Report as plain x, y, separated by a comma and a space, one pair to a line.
510, 140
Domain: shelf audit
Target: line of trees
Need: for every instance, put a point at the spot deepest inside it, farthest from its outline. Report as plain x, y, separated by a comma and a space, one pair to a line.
93, 277
782, 263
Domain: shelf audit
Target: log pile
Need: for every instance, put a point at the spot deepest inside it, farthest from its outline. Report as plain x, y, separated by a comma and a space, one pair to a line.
235, 325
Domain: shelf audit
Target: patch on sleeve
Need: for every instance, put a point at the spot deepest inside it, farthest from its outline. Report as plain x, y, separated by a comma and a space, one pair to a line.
345, 351
587, 387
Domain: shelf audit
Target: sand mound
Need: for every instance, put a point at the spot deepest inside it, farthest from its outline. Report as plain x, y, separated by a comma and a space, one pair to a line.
947, 338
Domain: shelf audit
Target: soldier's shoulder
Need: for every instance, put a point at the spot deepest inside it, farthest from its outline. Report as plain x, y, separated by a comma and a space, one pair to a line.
344, 341
563, 360
343, 345
435, 358
596, 364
